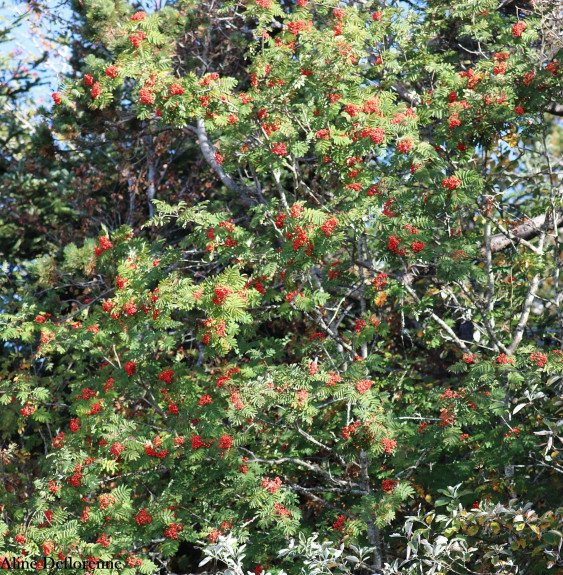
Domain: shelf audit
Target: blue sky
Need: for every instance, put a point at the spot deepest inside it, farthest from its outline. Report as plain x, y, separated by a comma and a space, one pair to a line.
30, 39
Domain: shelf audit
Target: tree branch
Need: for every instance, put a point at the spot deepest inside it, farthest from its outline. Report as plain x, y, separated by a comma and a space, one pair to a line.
555, 108
526, 231
519, 332
439, 321
301, 463
151, 174
208, 151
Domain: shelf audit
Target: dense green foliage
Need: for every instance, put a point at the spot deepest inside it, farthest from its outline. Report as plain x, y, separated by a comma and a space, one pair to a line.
274, 270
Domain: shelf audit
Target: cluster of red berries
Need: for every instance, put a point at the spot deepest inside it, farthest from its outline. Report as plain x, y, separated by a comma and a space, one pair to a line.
280, 150
130, 308
405, 146
272, 485
329, 225
224, 378
117, 449
133, 561
363, 386
503, 359
59, 440
297, 26
333, 379
393, 246
198, 442
539, 358
422, 427
380, 282
152, 452
112, 71
388, 485
205, 399
302, 396
137, 38
236, 400
176, 90
166, 376
451, 183
27, 410
518, 28
350, 429
225, 442
339, 523
172, 530
377, 135
105, 244
388, 445
221, 294
281, 510
103, 540
360, 324
513, 433
75, 480
143, 518
146, 96
209, 78
387, 211
105, 500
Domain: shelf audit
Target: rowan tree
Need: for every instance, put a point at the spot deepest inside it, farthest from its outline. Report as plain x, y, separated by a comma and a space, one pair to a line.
297, 277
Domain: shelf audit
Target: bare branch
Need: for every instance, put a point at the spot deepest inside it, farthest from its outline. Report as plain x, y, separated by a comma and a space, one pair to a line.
555, 108
526, 231
519, 331
439, 321
321, 501
151, 174
300, 463
208, 151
